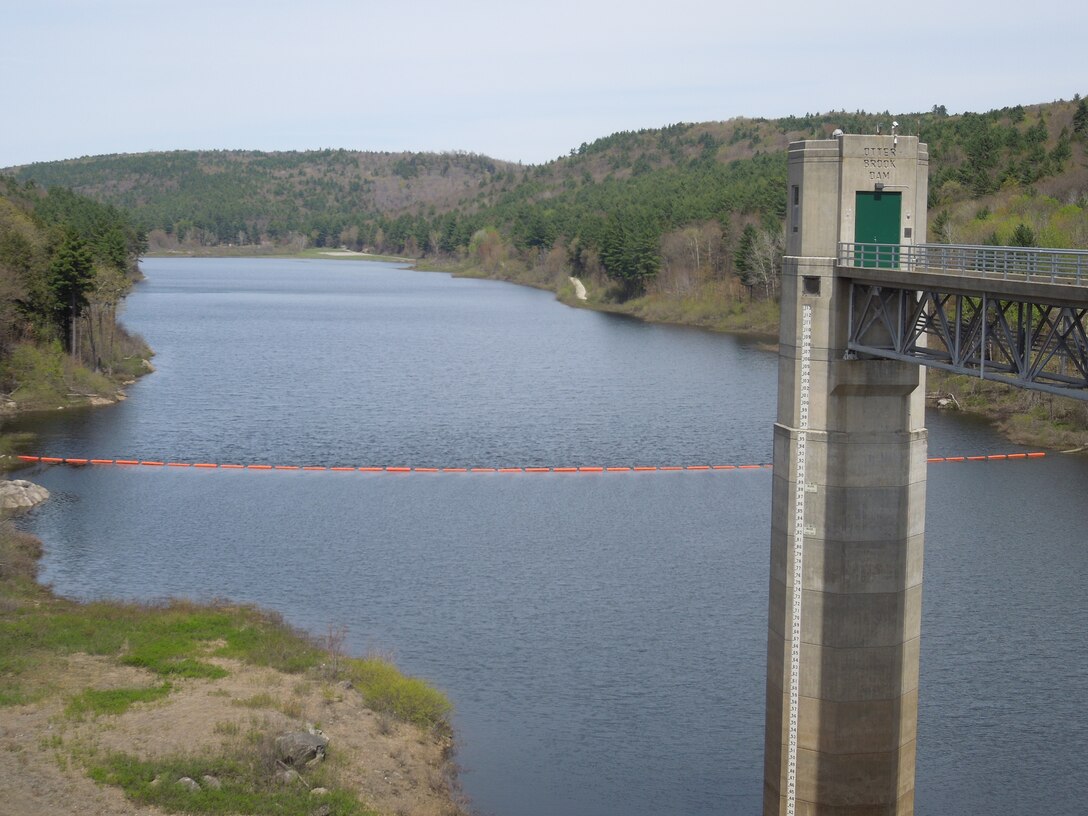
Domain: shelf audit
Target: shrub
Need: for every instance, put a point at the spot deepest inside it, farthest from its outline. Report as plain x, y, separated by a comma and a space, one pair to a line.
386, 690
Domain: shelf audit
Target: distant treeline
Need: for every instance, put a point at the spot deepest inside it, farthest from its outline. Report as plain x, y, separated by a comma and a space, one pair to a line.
670, 207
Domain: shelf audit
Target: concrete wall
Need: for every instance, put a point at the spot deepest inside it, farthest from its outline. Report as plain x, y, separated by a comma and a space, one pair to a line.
864, 507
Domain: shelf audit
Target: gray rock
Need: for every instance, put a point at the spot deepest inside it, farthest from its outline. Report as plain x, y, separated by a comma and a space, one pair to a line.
19, 494
211, 782
301, 747
318, 791
287, 777
188, 783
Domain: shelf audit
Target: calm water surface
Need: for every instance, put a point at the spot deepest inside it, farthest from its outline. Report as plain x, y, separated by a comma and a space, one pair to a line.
602, 636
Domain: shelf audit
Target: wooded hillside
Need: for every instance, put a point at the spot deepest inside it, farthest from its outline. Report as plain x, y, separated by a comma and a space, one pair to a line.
666, 210
66, 263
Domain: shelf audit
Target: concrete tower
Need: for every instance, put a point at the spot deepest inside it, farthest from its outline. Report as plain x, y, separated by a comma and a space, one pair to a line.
848, 499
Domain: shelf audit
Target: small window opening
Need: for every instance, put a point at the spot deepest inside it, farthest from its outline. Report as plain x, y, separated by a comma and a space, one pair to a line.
810, 285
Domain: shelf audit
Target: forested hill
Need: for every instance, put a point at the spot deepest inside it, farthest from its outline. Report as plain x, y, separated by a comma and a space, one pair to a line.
628, 208
246, 197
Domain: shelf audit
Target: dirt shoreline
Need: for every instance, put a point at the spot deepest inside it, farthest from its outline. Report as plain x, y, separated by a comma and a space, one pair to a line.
393, 767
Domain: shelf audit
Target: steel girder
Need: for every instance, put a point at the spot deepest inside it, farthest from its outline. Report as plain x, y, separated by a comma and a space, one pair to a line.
1024, 343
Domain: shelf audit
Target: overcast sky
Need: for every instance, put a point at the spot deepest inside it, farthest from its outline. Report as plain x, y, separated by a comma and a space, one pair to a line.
516, 81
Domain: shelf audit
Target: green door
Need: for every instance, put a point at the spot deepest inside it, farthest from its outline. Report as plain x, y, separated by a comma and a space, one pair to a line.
876, 221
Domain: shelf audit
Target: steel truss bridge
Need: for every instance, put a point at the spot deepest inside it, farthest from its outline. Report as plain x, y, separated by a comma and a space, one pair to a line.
1011, 314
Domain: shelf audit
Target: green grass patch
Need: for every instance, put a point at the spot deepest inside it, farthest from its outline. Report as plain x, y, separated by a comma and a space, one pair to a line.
13, 691
113, 701
263, 639
247, 786
386, 690
170, 640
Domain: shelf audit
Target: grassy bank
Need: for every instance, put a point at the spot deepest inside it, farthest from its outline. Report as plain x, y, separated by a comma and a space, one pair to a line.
45, 378
272, 251
1022, 416
121, 690
713, 305
705, 309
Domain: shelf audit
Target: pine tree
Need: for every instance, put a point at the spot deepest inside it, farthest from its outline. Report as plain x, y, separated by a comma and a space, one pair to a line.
1080, 119
1023, 236
71, 275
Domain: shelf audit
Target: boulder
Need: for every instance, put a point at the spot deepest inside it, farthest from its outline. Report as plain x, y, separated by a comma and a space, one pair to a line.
301, 747
19, 494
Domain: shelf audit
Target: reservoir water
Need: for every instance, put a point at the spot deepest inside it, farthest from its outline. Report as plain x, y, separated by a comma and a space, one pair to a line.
602, 636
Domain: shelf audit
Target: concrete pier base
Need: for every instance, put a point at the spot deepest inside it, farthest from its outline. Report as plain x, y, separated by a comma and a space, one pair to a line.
863, 516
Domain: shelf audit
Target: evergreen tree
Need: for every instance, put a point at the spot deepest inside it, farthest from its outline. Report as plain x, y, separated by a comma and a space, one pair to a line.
1080, 119
744, 258
1023, 236
629, 248
71, 275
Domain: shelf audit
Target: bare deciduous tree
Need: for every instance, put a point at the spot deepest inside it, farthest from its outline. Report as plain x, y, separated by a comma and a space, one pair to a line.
766, 261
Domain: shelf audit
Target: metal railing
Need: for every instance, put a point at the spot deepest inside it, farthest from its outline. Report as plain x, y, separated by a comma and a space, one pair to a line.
1035, 265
